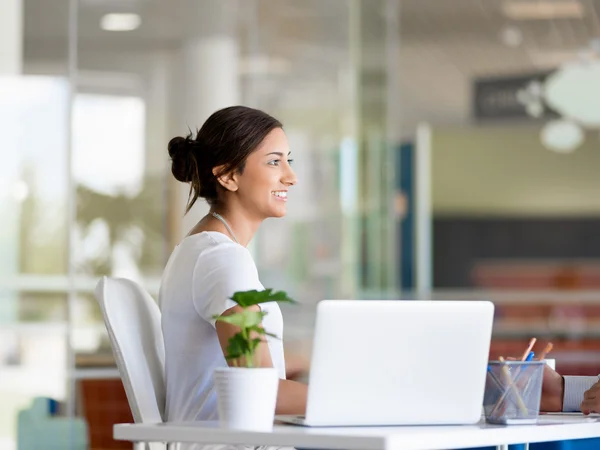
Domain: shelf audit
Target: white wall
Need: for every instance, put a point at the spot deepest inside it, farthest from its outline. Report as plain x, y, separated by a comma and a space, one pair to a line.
506, 171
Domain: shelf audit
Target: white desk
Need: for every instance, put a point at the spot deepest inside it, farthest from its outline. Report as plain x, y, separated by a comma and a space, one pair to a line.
367, 438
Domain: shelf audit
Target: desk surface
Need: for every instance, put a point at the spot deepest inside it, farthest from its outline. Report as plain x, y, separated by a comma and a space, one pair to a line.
549, 428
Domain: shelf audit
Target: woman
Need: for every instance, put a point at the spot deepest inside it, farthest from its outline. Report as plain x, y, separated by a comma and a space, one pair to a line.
239, 163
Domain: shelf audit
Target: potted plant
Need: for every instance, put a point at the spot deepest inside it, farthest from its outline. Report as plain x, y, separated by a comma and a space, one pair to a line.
246, 392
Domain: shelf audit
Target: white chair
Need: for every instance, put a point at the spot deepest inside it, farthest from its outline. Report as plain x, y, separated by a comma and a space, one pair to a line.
132, 319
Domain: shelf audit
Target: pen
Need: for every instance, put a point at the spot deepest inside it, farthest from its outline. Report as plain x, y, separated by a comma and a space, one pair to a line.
546, 350
529, 358
526, 353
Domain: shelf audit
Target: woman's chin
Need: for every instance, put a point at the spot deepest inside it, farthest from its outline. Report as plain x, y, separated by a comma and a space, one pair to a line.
278, 212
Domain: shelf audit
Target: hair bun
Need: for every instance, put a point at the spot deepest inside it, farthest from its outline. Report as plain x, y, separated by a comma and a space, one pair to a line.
182, 157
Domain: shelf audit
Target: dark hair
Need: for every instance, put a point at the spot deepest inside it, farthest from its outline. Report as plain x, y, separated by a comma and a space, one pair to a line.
226, 139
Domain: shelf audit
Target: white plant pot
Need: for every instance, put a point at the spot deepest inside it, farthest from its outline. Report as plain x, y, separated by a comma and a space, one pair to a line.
246, 397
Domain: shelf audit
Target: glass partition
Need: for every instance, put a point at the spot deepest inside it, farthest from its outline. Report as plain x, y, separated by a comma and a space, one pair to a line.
90, 94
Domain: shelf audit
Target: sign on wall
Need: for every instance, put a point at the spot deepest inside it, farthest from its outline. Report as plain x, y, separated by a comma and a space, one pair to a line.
511, 97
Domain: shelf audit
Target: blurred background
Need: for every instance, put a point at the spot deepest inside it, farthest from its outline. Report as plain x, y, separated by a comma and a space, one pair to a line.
445, 149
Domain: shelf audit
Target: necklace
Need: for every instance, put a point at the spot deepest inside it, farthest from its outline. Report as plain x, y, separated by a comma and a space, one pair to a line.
224, 222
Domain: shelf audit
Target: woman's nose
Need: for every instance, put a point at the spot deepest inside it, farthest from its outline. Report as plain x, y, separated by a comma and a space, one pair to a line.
289, 177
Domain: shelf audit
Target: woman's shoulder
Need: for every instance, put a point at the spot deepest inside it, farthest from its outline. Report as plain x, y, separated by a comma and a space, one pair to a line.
222, 266
212, 249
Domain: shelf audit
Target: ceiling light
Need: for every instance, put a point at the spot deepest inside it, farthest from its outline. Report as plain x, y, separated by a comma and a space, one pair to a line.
264, 65
120, 22
562, 136
543, 10
511, 36
574, 92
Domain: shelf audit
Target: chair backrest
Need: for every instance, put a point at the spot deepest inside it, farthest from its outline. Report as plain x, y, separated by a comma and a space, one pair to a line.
132, 319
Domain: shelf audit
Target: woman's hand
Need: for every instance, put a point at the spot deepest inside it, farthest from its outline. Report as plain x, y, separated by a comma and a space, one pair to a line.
553, 388
591, 400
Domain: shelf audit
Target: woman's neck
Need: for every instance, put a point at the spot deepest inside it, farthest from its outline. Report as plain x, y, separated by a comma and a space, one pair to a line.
241, 223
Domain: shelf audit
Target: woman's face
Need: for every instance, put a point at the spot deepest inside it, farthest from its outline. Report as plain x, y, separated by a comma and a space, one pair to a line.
263, 185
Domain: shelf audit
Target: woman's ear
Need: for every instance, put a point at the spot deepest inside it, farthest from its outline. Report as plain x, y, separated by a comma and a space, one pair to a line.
226, 179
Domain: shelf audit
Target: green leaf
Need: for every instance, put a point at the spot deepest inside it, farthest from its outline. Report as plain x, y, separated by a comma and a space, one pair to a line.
253, 318
257, 329
261, 331
254, 344
254, 297
238, 346
245, 319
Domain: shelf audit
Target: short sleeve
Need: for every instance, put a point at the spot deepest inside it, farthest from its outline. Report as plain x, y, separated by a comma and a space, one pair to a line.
219, 273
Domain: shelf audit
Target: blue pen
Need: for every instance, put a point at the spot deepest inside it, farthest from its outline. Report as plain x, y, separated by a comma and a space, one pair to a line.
530, 356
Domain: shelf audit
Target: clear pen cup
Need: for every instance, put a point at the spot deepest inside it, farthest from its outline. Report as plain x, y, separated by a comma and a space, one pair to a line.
513, 390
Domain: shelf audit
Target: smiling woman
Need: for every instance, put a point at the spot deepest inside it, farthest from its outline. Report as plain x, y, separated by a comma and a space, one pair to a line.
239, 162
238, 154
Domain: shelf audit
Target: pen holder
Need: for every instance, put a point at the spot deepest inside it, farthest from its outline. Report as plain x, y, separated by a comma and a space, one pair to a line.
513, 390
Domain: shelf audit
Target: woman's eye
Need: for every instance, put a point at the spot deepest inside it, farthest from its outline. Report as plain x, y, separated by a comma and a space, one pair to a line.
290, 161
274, 162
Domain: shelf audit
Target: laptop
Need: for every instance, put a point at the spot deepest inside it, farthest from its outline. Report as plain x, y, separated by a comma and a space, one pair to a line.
389, 362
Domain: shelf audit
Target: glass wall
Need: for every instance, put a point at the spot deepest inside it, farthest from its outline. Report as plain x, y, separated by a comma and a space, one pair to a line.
34, 205
90, 94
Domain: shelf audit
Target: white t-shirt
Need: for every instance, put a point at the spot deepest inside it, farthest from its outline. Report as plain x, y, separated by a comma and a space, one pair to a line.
203, 272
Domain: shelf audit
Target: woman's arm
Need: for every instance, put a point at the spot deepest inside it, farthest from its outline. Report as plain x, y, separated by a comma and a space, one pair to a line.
296, 364
291, 396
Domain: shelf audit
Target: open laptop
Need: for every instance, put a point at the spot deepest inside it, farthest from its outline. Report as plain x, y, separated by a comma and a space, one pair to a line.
397, 363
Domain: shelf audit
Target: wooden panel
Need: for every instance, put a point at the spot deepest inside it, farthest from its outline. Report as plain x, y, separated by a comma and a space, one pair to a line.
104, 404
